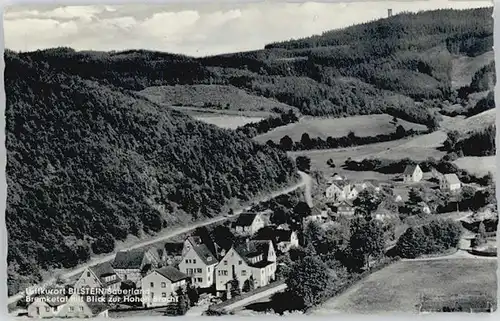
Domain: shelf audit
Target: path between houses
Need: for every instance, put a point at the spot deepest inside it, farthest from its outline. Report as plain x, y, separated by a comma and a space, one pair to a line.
305, 181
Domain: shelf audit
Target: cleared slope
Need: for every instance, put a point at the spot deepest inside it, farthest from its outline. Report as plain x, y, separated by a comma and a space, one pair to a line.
227, 97
362, 126
463, 68
476, 122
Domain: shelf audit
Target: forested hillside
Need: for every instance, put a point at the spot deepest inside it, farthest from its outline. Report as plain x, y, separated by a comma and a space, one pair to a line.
89, 164
392, 65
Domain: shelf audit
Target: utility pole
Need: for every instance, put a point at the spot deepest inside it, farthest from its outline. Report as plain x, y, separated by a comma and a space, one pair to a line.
389, 13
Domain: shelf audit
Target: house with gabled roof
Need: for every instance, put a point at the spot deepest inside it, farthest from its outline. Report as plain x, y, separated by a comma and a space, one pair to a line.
338, 190
450, 183
412, 174
84, 306
253, 261
101, 276
283, 239
199, 263
249, 223
159, 287
345, 208
132, 265
286, 239
47, 304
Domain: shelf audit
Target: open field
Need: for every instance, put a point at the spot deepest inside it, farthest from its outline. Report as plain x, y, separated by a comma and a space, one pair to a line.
463, 68
398, 287
228, 97
205, 111
362, 126
418, 148
224, 118
471, 124
478, 165
228, 121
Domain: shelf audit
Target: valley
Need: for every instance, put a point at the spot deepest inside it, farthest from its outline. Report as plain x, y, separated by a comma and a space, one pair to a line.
358, 156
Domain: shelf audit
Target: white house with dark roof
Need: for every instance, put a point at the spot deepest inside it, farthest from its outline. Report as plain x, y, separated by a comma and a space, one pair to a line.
131, 266
286, 239
283, 239
199, 263
160, 285
84, 306
101, 276
249, 223
48, 304
338, 190
450, 183
412, 174
345, 208
60, 304
254, 261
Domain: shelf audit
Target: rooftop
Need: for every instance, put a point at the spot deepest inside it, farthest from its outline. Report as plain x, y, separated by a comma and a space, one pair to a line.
172, 273
131, 259
246, 219
410, 169
452, 178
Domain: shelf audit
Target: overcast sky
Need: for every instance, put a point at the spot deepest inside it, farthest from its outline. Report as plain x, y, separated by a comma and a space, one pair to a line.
195, 30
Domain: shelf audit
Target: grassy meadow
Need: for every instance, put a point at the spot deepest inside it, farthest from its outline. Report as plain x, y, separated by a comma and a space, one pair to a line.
398, 287
362, 126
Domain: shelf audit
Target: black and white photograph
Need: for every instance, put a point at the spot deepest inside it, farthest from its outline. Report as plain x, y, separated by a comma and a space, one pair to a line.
250, 159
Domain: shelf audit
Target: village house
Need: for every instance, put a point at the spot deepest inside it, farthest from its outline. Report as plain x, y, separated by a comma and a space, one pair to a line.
286, 239
84, 306
318, 218
412, 174
450, 183
198, 263
249, 223
101, 276
47, 305
345, 208
254, 261
283, 239
367, 185
131, 266
338, 191
160, 285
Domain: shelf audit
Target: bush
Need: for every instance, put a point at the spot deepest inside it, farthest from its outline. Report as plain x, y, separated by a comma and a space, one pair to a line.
434, 237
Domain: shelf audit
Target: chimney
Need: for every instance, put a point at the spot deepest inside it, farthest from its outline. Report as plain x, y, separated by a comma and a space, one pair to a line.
389, 13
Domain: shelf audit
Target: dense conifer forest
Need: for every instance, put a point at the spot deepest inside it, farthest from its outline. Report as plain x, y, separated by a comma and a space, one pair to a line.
90, 164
